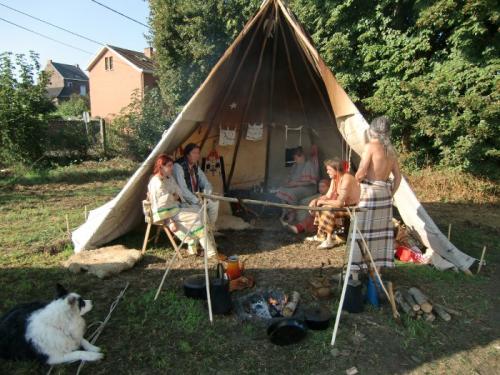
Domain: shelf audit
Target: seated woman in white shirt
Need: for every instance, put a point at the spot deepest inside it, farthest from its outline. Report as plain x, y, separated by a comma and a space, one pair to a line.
166, 197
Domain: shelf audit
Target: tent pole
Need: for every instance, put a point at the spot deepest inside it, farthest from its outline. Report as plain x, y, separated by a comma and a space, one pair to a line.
245, 112
346, 277
294, 80
271, 100
233, 80
205, 258
311, 76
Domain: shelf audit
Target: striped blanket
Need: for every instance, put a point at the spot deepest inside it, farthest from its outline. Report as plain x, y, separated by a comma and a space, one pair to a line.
375, 224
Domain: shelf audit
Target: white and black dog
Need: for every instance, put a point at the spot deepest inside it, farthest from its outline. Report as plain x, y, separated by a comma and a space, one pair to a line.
50, 332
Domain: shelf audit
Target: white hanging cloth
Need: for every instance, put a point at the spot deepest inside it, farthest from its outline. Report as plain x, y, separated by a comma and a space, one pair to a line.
297, 129
255, 132
227, 137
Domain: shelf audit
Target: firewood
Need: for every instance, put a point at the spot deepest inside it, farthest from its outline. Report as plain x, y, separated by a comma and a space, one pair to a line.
420, 312
290, 307
449, 310
392, 301
421, 299
441, 312
429, 317
410, 301
402, 303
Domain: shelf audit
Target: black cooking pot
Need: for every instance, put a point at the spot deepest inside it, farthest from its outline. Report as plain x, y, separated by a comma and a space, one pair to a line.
194, 286
286, 331
317, 318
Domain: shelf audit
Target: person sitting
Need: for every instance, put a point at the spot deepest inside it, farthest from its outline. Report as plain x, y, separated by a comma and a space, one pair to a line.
191, 180
301, 182
344, 191
305, 221
166, 198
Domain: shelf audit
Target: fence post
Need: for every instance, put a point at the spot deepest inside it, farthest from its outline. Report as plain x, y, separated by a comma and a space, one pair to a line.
102, 131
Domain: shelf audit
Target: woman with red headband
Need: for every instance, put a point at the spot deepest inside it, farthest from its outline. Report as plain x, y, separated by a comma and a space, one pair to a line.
166, 197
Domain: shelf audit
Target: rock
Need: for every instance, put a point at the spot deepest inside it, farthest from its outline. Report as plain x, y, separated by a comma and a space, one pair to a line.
352, 371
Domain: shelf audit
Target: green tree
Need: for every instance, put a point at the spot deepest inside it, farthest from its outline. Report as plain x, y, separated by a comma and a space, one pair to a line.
24, 107
74, 107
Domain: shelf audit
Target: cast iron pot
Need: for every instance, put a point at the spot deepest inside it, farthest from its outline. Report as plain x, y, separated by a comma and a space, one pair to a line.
317, 318
194, 287
286, 331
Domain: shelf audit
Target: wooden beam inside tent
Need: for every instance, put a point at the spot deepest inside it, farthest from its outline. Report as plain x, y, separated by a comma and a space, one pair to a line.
247, 105
271, 98
233, 81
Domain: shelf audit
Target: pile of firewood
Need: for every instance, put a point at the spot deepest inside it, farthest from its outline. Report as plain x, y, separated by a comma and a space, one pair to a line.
418, 306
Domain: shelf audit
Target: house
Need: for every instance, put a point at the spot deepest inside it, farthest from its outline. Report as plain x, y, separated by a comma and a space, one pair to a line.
115, 74
66, 80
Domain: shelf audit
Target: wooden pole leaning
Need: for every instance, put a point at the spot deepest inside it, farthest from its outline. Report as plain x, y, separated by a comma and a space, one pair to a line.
205, 258
352, 236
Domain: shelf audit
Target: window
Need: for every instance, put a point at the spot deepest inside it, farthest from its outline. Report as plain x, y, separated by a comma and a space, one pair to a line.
83, 90
69, 84
108, 63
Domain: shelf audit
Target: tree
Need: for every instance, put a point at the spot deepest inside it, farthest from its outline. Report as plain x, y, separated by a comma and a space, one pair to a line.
24, 107
74, 107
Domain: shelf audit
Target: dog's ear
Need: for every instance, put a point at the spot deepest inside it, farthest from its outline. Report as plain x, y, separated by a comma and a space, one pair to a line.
72, 300
61, 291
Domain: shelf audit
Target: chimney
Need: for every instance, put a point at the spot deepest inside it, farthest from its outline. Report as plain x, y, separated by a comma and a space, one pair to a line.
148, 52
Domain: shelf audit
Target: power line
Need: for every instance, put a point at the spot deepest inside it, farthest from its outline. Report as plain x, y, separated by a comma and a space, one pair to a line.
121, 14
51, 24
45, 36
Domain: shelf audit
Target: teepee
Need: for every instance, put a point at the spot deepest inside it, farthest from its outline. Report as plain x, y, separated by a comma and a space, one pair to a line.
271, 77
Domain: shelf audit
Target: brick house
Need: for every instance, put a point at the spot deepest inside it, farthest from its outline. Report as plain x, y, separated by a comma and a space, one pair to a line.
66, 80
115, 73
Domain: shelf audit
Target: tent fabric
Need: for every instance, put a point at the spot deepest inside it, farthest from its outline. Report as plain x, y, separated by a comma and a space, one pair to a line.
271, 74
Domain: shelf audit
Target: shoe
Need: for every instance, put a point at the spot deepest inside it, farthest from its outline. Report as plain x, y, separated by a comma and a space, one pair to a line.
326, 245
314, 238
292, 228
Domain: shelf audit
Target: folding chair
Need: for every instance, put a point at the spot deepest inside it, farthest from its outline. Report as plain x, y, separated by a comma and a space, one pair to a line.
148, 217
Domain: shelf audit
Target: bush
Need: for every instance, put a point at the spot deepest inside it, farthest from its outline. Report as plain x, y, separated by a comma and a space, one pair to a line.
74, 107
24, 108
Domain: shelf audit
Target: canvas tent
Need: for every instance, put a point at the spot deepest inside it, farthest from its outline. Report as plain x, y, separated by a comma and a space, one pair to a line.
271, 74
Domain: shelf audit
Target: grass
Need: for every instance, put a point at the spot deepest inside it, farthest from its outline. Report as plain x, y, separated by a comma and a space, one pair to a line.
172, 335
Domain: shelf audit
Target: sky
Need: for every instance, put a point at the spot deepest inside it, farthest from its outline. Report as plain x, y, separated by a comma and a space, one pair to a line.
80, 16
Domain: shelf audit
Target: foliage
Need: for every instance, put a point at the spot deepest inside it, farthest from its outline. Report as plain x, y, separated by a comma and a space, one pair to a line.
140, 125
429, 65
24, 107
74, 106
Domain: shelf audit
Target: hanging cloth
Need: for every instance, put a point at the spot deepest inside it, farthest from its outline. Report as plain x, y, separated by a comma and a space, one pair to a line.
289, 151
255, 132
227, 137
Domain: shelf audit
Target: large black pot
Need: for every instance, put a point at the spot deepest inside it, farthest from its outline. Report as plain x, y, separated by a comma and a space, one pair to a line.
219, 292
317, 318
286, 331
194, 287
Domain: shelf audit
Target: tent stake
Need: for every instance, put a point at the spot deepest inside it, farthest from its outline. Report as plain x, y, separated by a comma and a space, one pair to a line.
205, 258
352, 235
85, 212
449, 231
68, 231
481, 261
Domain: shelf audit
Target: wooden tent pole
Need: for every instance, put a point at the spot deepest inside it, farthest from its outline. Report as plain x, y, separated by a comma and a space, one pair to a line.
233, 80
245, 112
327, 108
294, 80
271, 100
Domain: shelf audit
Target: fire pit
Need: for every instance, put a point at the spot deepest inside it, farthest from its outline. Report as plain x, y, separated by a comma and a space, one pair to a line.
261, 305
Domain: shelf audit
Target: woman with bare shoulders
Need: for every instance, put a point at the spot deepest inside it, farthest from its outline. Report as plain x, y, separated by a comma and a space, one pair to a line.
378, 161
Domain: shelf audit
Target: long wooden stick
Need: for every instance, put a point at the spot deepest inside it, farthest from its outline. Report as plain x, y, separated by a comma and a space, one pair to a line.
481, 261
273, 204
346, 279
233, 80
205, 258
239, 133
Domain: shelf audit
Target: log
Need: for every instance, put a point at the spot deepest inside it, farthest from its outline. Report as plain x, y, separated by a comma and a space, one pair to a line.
392, 301
290, 307
429, 317
421, 299
410, 301
441, 312
448, 309
403, 304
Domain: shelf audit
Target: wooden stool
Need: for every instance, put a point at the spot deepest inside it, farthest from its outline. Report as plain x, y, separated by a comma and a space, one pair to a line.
148, 217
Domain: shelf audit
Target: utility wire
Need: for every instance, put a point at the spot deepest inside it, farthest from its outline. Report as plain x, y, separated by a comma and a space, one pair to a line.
45, 36
121, 14
51, 24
